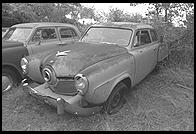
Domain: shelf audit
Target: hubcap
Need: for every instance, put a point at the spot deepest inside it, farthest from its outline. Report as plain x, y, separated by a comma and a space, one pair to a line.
6, 83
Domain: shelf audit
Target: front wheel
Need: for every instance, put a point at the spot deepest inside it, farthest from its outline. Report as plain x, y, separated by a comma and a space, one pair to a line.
116, 99
8, 80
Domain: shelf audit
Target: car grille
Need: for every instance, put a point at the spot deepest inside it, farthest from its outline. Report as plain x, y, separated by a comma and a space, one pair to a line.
65, 86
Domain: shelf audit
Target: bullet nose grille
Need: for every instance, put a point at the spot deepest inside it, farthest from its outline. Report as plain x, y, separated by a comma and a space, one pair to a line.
47, 74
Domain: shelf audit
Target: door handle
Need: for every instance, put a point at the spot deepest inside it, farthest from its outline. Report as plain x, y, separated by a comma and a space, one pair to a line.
154, 48
140, 51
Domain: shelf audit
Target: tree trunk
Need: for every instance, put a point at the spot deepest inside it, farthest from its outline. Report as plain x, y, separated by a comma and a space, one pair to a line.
166, 14
157, 11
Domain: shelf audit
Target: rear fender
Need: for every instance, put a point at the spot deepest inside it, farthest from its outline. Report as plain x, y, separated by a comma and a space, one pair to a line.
162, 52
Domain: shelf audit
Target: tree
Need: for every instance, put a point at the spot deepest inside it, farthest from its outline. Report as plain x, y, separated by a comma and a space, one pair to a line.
13, 13
115, 15
87, 12
170, 10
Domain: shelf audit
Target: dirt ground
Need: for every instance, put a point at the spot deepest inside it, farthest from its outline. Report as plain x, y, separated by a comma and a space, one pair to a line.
164, 100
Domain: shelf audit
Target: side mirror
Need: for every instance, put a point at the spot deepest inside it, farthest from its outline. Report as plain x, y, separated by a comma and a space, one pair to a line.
161, 39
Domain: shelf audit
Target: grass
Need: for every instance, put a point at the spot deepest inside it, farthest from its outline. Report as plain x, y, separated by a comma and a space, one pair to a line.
156, 103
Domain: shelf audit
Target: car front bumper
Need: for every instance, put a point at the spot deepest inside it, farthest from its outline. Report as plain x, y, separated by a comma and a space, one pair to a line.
71, 104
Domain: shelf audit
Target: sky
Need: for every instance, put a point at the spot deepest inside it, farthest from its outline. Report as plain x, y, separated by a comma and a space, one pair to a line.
141, 9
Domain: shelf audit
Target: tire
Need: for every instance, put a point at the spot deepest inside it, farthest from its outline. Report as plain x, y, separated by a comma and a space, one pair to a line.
9, 80
116, 99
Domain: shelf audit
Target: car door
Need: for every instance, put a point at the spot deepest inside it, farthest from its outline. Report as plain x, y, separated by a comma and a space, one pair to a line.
43, 39
67, 35
155, 42
163, 51
144, 53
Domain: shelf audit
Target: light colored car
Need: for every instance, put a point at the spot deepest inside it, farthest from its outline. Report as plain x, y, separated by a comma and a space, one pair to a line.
95, 72
31, 38
4, 30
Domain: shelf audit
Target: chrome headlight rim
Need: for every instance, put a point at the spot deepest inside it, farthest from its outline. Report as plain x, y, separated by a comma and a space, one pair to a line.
86, 82
49, 75
24, 63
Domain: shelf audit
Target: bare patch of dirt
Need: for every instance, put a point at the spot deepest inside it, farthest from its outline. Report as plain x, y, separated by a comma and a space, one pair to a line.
164, 100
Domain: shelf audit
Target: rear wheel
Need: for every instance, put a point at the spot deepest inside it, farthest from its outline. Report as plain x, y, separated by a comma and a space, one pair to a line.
9, 80
116, 99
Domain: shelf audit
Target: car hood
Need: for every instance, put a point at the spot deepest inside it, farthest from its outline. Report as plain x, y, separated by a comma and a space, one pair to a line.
8, 44
79, 56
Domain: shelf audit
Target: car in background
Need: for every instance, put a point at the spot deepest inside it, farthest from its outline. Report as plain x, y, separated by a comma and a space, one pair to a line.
4, 30
95, 72
30, 38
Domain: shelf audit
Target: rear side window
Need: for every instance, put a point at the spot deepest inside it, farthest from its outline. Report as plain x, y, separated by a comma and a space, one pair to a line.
67, 33
153, 35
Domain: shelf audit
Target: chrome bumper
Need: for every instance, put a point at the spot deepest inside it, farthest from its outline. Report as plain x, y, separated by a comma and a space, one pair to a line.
63, 103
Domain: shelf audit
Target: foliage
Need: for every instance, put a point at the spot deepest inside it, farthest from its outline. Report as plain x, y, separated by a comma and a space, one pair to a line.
87, 12
117, 15
38, 12
179, 39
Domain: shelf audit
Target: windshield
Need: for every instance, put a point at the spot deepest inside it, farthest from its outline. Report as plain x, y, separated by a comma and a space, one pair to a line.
118, 36
17, 34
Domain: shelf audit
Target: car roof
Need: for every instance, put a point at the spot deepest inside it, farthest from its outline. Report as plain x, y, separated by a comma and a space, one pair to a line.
131, 25
42, 24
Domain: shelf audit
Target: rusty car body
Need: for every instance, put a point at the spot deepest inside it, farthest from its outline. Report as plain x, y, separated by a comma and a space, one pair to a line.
31, 38
95, 72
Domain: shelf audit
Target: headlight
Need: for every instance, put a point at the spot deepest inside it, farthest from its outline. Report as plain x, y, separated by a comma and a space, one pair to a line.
24, 65
81, 83
49, 75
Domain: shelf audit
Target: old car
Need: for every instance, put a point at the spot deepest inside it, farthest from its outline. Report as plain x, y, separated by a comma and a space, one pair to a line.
4, 30
94, 73
27, 39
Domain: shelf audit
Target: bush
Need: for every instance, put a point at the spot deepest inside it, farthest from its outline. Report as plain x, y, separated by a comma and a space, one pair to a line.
180, 41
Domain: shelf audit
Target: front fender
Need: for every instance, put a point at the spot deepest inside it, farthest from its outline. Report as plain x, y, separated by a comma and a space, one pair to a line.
35, 61
103, 76
11, 57
34, 70
120, 78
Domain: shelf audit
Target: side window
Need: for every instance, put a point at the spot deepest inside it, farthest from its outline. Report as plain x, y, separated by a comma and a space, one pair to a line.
153, 35
142, 38
44, 34
136, 39
145, 38
67, 33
